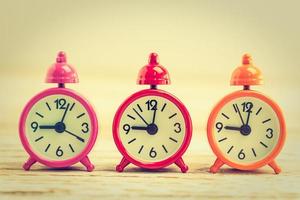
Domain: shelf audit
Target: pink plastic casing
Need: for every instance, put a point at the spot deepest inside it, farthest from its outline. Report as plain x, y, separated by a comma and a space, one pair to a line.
91, 113
187, 119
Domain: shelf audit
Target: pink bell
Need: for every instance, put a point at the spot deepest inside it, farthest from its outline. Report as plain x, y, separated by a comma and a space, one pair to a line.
61, 72
153, 73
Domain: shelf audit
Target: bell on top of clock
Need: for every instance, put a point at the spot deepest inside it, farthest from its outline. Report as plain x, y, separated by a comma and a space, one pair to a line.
153, 73
61, 72
246, 129
246, 74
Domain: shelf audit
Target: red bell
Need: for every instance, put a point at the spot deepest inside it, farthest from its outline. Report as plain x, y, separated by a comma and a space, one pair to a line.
247, 74
153, 73
61, 71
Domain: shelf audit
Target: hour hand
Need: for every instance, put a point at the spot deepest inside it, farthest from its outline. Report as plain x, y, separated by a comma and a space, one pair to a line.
233, 128
144, 128
47, 127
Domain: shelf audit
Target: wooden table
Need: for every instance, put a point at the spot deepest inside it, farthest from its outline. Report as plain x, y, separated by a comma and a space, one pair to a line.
104, 183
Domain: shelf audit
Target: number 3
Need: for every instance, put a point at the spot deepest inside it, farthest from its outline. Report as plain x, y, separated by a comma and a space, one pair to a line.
177, 128
85, 128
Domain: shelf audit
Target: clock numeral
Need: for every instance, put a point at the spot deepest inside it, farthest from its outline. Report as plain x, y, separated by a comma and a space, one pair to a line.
151, 104
219, 126
152, 153
60, 103
177, 127
247, 106
59, 152
85, 127
34, 126
241, 154
269, 134
126, 128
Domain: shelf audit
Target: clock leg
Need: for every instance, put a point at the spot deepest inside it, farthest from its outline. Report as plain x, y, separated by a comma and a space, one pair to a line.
216, 166
29, 163
275, 167
120, 167
87, 163
183, 167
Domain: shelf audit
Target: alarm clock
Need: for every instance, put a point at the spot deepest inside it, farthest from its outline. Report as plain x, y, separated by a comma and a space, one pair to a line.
152, 128
58, 127
246, 129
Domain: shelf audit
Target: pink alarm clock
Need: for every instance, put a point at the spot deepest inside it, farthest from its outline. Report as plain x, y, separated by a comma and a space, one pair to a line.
58, 127
152, 128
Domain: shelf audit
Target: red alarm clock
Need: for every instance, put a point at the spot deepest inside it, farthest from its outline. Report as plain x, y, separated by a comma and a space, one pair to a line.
246, 129
58, 127
152, 128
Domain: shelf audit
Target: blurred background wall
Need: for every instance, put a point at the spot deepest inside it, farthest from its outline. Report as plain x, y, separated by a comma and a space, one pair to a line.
199, 42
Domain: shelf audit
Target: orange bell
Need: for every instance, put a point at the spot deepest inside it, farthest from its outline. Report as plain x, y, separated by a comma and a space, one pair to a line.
247, 74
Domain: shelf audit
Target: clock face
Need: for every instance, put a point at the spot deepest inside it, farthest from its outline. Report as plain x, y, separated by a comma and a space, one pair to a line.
58, 127
246, 130
152, 129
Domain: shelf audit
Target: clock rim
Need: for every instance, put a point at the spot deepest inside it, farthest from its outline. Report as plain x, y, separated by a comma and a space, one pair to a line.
77, 157
221, 104
169, 160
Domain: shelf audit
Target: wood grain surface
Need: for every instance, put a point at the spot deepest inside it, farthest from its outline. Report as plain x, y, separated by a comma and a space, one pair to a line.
135, 183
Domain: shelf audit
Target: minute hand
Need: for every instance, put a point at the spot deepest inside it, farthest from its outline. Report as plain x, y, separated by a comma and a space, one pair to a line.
236, 108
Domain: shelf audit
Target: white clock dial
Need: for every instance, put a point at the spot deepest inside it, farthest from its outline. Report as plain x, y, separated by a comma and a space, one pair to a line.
246, 130
152, 129
58, 127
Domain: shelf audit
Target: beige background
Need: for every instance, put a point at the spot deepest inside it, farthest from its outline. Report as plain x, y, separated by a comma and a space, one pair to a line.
199, 42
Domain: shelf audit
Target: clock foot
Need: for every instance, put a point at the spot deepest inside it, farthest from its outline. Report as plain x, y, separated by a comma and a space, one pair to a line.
183, 167
87, 163
29, 163
275, 167
120, 167
216, 166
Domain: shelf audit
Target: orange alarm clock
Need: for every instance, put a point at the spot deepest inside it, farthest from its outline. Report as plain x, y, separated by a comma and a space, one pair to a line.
246, 129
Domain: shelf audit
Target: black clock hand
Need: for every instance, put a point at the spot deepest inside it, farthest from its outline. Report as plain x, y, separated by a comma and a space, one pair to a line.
248, 117
154, 115
79, 138
47, 127
144, 128
66, 110
238, 110
140, 116
233, 128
